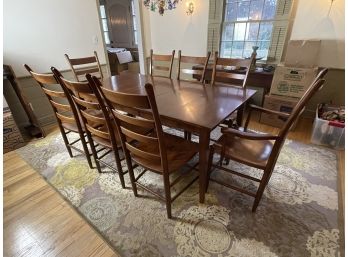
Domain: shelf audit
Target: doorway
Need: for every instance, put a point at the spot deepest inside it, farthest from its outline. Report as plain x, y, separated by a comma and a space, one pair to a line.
121, 27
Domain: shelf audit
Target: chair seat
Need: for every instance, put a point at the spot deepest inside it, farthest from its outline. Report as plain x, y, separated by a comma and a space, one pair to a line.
179, 152
254, 153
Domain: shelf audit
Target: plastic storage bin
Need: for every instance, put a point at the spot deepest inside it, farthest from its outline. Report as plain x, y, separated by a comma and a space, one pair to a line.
328, 133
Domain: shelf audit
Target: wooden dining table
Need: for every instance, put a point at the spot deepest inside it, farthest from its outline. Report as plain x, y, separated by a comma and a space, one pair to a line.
186, 105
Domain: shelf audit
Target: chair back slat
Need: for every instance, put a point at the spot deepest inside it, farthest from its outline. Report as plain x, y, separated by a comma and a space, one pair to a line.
47, 79
63, 107
66, 119
127, 100
53, 93
160, 68
231, 62
86, 71
83, 60
143, 154
192, 60
230, 75
61, 103
161, 58
86, 104
93, 119
192, 72
139, 137
77, 86
79, 69
98, 132
135, 121
222, 69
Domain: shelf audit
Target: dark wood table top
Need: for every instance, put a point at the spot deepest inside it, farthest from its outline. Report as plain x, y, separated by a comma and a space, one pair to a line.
192, 103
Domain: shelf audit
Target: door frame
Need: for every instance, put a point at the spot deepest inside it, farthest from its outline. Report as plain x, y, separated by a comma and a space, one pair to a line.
140, 33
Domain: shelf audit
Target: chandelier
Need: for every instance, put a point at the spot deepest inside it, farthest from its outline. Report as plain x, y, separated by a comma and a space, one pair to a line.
161, 5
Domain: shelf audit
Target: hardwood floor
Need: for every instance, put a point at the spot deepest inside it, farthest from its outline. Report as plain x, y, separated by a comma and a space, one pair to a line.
38, 222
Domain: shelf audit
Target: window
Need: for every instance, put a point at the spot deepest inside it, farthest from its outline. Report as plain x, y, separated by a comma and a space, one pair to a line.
235, 26
105, 24
134, 24
247, 24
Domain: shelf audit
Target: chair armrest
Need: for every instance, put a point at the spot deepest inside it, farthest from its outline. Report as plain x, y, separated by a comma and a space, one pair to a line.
248, 135
284, 114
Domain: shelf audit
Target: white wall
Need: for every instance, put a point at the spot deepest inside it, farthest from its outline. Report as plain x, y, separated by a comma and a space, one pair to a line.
312, 21
40, 32
176, 30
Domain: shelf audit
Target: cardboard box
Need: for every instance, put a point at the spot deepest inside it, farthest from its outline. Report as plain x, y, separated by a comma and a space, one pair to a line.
291, 81
302, 53
12, 137
280, 104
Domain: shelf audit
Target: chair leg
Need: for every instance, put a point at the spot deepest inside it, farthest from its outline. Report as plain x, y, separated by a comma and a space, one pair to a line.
187, 135
66, 141
210, 161
94, 153
131, 174
260, 191
119, 167
85, 148
167, 194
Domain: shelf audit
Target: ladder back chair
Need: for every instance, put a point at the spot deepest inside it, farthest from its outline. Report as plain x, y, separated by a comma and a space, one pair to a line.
192, 60
222, 73
161, 68
100, 131
84, 65
64, 110
222, 70
157, 152
256, 150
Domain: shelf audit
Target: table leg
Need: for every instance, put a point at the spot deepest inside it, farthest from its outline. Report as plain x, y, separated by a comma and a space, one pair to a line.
240, 114
204, 139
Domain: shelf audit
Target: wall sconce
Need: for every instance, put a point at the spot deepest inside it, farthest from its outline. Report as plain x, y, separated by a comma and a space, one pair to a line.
190, 7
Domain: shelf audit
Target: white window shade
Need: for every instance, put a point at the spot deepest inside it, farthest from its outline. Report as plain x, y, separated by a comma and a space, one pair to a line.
280, 29
214, 25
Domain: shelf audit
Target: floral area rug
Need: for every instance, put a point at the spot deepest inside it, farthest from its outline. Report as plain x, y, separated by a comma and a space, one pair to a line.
297, 216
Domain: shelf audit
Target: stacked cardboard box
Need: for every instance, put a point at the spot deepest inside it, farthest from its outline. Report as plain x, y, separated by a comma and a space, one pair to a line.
291, 79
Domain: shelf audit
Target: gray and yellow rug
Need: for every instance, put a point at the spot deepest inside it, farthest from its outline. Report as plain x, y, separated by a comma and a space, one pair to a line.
297, 216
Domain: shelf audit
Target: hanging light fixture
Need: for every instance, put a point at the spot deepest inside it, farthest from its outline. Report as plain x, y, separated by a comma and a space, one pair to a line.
161, 5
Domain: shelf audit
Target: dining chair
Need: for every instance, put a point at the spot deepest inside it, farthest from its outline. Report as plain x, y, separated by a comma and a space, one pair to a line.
223, 67
84, 65
64, 110
157, 152
231, 72
257, 150
161, 68
192, 60
101, 132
